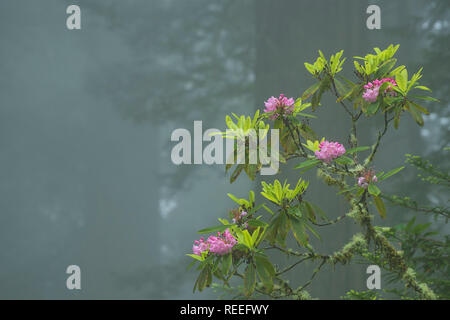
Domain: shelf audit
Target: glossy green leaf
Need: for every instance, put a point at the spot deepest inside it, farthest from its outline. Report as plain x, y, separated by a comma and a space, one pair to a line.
343, 160
265, 271
227, 261
372, 108
373, 189
416, 115
196, 257
379, 204
402, 78
308, 164
236, 172
298, 228
426, 98
357, 149
311, 90
390, 173
215, 229
256, 223
249, 279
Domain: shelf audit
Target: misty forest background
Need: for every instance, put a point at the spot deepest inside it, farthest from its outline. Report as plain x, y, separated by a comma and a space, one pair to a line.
86, 117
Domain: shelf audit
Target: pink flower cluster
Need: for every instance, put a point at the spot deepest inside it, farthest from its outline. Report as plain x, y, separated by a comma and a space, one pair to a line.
199, 246
368, 177
279, 106
329, 151
220, 244
373, 88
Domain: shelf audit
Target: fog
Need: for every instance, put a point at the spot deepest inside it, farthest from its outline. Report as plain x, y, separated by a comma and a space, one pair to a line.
86, 117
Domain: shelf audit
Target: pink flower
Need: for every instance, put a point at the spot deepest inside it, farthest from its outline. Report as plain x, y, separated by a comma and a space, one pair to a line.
362, 182
279, 106
367, 177
329, 151
372, 89
220, 244
199, 246
371, 95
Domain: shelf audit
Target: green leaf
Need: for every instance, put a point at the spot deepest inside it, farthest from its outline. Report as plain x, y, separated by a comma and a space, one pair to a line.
269, 197
341, 89
415, 114
232, 197
215, 229
298, 228
394, 72
227, 261
278, 124
347, 190
265, 271
308, 164
272, 229
247, 239
390, 173
372, 108
251, 197
283, 229
419, 107
422, 88
343, 160
196, 257
309, 210
310, 68
402, 78
319, 211
314, 232
255, 209
256, 223
244, 238
224, 221
236, 172
249, 279
397, 118
255, 235
373, 189
250, 170
311, 90
357, 149
306, 115
379, 204
268, 209
385, 68
204, 279
426, 98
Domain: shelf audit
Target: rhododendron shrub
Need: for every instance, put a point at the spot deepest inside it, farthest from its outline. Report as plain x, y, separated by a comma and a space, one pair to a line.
238, 247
